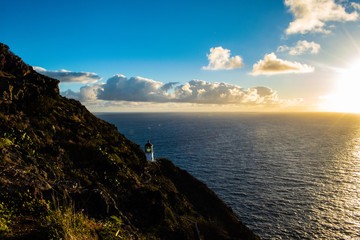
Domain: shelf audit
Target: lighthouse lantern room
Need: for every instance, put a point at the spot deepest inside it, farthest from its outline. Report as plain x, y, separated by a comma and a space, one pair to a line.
149, 151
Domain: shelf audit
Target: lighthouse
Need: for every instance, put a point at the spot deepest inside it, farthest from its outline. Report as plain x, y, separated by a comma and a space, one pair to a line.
149, 151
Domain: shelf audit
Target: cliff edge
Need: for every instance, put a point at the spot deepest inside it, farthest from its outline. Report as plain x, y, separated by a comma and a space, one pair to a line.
66, 174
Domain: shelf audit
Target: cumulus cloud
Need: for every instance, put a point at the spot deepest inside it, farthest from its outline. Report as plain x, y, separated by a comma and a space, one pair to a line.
198, 91
312, 15
87, 93
69, 77
137, 89
301, 47
166, 87
272, 65
141, 89
355, 5
219, 59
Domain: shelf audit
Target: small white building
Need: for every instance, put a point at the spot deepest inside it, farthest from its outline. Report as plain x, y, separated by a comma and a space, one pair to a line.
149, 151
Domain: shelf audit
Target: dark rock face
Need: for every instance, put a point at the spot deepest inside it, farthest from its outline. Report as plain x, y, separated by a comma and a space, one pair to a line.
53, 146
19, 82
12, 64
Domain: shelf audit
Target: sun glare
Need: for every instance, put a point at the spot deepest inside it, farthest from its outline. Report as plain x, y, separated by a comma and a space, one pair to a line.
346, 97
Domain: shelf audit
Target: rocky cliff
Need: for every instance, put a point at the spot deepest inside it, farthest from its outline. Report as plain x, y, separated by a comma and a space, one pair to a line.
66, 174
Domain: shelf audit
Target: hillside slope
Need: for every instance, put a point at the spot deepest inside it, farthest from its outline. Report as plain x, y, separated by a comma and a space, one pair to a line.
56, 156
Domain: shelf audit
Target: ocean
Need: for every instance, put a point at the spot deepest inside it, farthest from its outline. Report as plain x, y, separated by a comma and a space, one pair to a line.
287, 176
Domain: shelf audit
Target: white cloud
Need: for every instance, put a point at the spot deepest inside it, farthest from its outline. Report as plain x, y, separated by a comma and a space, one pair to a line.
137, 89
301, 47
355, 5
198, 91
272, 65
87, 93
312, 15
141, 89
219, 59
69, 77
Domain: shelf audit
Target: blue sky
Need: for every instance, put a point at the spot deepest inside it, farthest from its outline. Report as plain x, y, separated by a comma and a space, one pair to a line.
170, 41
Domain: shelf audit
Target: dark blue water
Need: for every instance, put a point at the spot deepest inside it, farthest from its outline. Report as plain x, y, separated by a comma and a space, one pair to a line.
287, 176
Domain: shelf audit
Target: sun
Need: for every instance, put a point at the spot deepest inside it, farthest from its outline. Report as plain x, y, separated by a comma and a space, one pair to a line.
346, 97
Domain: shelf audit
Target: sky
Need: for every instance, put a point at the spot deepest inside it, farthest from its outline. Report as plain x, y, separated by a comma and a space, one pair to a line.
156, 56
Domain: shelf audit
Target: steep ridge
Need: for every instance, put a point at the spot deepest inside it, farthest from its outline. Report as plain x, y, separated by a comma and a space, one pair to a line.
56, 155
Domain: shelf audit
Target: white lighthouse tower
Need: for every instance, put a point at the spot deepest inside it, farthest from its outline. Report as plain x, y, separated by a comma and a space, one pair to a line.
149, 151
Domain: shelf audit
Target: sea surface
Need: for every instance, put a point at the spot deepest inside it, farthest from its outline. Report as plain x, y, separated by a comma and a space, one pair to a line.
287, 176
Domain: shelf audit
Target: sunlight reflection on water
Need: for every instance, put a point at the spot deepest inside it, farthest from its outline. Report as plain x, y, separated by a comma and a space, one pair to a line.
287, 176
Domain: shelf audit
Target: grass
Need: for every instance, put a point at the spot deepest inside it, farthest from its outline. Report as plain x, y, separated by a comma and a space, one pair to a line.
57, 222
54, 222
67, 224
5, 219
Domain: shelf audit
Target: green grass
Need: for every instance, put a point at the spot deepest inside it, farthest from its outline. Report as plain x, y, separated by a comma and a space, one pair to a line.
67, 224
15, 206
5, 219
59, 222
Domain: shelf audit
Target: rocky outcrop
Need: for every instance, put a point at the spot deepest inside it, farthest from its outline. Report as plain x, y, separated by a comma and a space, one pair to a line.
20, 83
54, 148
12, 65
